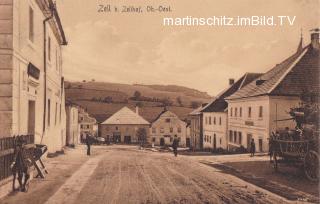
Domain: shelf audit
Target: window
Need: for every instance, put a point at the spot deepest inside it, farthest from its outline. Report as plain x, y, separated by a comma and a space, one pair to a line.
210, 139
234, 136
81, 126
230, 135
49, 109
171, 130
153, 130
240, 112
249, 112
60, 113
210, 120
153, 139
161, 130
220, 140
260, 111
206, 120
214, 120
240, 137
49, 48
220, 122
235, 112
179, 129
88, 126
55, 114
31, 25
231, 112
167, 120
117, 128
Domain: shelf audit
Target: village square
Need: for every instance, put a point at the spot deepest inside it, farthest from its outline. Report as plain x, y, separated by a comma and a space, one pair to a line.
85, 140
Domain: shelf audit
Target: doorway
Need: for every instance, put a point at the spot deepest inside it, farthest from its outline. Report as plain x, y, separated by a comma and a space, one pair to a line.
31, 117
260, 145
188, 142
127, 139
161, 141
249, 138
116, 137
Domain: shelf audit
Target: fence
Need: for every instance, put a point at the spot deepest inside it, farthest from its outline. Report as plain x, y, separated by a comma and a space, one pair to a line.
7, 146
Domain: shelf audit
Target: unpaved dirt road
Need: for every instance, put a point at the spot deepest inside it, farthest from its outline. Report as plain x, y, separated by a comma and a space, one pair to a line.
125, 174
128, 175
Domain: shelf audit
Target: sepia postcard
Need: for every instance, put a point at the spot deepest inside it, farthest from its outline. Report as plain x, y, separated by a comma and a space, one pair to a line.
159, 101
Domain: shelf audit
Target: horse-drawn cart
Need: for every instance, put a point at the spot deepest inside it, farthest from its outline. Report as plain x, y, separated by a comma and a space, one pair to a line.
299, 147
300, 153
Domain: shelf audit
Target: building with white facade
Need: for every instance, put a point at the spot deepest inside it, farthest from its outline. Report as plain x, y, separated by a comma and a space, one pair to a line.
123, 126
166, 127
31, 82
255, 110
88, 124
215, 116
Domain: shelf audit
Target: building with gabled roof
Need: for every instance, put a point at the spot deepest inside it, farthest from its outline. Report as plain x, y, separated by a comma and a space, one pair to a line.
123, 125
196, 130
255, 110
215, 114
166, 127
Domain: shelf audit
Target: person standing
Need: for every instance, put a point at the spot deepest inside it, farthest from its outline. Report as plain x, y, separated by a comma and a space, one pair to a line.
88, 142
175, 145
20, 165
252, 147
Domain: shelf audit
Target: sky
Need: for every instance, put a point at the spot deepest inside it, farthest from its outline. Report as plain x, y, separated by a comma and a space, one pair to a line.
136, 48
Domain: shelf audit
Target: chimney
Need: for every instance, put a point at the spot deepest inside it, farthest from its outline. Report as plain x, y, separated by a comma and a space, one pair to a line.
315, 38
231, 81
137, 110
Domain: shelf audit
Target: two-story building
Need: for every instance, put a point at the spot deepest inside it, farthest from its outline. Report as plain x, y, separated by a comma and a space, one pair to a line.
88, 124
196, 128
215, 116
123, 126
31, 82
261, 107
166, 127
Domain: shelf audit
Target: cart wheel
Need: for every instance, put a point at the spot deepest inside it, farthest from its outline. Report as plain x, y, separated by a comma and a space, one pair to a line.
275, 162
311, 166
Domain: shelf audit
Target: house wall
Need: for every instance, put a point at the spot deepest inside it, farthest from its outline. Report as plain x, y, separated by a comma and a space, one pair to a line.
212, 128
258, 128
166, 130
196, 132
17, 89
108, 131
73, 127
279, 108
6, 68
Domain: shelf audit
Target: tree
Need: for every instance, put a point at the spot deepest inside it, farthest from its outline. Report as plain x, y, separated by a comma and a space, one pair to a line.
179, 101
167, 102
142, 136
195, 104
108, 99
139, 104
136, 95
84, 81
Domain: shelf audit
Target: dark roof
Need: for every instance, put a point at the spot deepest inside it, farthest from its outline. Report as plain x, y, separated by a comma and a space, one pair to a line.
293, 76
219, 104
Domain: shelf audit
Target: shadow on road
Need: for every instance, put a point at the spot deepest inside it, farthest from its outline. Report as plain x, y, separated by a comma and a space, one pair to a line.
289, 182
